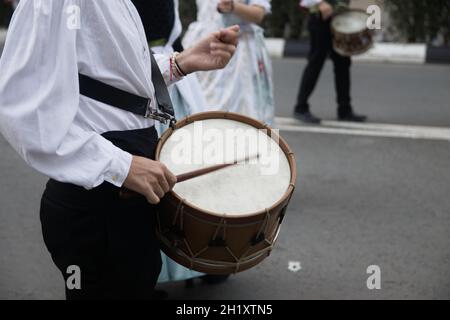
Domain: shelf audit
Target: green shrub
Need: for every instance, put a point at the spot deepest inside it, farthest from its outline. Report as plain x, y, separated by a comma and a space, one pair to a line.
420, 20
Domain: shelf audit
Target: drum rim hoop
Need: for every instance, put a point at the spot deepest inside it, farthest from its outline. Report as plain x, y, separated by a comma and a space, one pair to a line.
209, 115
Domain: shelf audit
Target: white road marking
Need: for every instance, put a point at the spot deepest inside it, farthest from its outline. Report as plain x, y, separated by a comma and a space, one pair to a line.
395, 52
275, 47
366, 129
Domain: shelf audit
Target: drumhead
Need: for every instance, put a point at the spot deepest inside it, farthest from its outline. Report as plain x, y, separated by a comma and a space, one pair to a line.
350, 22
241, 190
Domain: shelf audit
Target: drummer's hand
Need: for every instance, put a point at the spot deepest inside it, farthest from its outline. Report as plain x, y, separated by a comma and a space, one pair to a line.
326, 10
150, 178
211, 53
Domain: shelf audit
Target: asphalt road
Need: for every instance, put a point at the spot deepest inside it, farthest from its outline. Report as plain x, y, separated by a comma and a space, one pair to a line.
388, 93
360, 201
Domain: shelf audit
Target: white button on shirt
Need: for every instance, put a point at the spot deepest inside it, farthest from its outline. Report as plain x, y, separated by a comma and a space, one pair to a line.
42, 115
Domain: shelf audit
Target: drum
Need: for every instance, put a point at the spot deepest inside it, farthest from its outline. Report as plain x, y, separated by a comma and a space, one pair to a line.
351, 36
226, 221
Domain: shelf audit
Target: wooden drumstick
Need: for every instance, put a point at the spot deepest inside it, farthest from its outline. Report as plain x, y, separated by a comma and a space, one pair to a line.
127, 194
201, 172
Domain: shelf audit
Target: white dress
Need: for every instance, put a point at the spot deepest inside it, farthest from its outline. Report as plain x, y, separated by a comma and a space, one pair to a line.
187, 98
245, 86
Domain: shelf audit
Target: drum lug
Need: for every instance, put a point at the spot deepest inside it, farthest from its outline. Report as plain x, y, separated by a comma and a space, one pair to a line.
218, 242
282, 214
177, 232
258, 239
284, 210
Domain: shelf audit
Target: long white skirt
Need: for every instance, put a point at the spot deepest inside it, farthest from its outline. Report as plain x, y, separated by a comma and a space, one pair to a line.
245, 86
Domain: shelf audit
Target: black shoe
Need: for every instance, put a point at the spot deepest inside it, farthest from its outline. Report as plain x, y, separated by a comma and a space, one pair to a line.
214, 279
189, 283
307, 117
352, 117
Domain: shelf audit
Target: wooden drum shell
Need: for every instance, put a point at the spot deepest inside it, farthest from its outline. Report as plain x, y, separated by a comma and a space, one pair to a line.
218, 244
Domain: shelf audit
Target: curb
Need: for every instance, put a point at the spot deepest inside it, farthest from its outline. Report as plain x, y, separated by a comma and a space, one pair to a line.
381, 52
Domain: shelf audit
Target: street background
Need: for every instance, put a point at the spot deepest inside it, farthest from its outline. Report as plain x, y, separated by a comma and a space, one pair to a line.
367, 194
362, 199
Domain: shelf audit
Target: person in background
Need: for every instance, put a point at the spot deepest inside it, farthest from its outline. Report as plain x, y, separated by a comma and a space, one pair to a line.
245, 86
12, 4
163, 28
321, 13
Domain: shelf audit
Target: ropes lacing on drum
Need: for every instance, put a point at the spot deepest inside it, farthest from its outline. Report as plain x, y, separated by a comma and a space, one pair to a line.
193, 258
265, 223
222, 225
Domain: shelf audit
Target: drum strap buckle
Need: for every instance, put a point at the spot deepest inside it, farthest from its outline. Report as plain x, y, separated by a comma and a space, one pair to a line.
163, 117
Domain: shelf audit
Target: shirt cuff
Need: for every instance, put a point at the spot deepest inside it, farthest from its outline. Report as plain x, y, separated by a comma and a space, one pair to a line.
119, 168
165, 67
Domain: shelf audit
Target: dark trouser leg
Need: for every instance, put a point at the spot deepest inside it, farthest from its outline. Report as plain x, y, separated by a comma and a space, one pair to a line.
74, 237
342, 82
320, 39
112, 241
136, 262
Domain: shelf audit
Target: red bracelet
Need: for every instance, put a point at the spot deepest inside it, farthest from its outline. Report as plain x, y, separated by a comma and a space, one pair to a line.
177, 66
171, 68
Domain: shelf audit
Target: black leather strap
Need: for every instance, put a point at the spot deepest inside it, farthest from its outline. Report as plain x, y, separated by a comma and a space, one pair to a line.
161, 92
112, 96
121, 99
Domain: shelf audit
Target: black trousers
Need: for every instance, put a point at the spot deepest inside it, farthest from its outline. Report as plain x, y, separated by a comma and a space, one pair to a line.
111, 240
321, 48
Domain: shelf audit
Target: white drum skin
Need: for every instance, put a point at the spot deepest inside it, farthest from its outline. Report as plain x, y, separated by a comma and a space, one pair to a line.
240, 190
350, 22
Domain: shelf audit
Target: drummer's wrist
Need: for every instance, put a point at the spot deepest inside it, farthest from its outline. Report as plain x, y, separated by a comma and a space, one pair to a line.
183, 63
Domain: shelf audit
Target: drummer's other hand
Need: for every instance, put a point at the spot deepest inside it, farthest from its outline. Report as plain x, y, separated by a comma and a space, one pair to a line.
326, 10
150, 178
213, 52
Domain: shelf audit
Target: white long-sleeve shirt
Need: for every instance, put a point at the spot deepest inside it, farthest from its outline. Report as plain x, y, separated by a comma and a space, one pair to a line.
309, 3
42, 115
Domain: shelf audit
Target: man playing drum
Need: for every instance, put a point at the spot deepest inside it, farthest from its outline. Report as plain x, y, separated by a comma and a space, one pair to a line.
79, 94
321, 13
